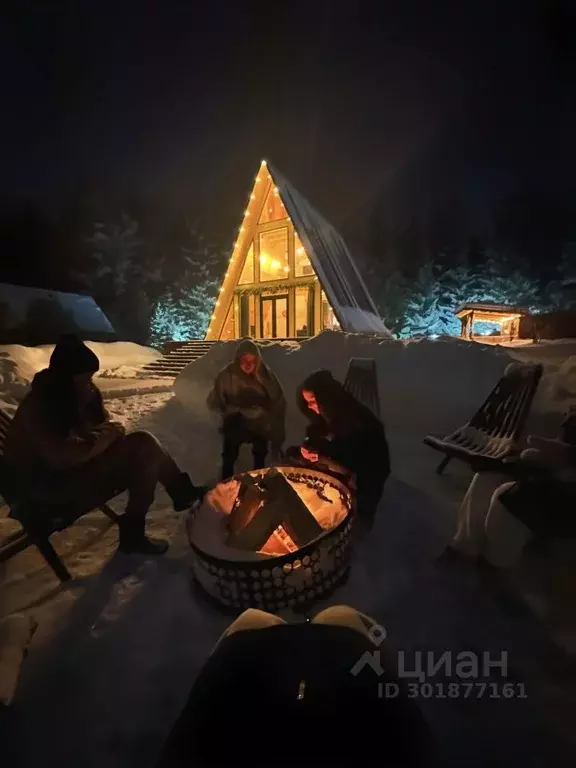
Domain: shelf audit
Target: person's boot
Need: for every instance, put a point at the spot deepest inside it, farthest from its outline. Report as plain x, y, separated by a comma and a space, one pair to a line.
184, 493
133, 540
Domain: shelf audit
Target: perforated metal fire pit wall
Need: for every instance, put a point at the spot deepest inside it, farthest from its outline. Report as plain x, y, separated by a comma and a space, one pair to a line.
294, 580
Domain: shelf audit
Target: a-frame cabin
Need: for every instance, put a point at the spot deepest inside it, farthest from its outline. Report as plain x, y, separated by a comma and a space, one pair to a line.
290, 274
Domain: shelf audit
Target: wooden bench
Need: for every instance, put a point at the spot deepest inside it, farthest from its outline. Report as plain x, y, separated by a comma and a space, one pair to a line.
37, 524
492, 434
362, 382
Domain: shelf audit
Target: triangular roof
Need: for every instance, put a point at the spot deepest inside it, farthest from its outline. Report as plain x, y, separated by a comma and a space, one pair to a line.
333, 264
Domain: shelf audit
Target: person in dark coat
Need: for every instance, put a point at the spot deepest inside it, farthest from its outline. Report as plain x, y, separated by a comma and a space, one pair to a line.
317, 693
345, 431
63, 451
253, 407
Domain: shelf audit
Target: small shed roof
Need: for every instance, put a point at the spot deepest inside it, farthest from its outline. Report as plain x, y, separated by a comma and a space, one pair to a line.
489, 309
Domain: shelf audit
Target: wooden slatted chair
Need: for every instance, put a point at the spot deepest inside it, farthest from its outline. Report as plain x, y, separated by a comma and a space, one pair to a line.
37, 523
362, 382
493, 433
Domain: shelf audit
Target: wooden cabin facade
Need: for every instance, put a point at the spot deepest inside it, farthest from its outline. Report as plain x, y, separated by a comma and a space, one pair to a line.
290, 274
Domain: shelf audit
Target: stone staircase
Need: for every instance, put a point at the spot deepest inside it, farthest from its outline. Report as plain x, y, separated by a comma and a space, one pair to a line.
176, 359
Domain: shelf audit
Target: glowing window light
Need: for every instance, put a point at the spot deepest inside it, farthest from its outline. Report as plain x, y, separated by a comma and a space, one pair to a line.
275, 264
286, 269
263, 259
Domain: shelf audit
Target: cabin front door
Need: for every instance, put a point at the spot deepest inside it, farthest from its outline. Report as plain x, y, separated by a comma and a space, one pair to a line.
274, 317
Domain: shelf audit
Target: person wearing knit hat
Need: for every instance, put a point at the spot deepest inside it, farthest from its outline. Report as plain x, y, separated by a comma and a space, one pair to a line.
253, 407
71, 357
62, 449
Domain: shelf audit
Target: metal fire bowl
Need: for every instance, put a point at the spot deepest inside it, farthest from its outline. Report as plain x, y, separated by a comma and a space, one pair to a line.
292, 581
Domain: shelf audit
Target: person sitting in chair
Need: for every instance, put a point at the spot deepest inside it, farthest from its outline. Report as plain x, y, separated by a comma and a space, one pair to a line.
63, 451
344, 431
253, 407
496, 520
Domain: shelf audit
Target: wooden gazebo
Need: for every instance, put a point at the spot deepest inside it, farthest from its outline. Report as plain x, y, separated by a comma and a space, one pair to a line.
505, 322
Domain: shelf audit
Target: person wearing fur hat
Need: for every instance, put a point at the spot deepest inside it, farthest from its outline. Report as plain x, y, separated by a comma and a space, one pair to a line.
343, 430
63, 449
253, 407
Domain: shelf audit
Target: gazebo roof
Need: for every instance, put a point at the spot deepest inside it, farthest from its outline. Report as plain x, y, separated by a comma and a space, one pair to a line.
489, 309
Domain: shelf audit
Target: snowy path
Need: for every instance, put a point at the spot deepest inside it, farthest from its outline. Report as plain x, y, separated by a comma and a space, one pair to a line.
117, 652
112, 388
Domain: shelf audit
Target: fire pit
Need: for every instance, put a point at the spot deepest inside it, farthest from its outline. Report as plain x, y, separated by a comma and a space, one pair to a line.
272, 539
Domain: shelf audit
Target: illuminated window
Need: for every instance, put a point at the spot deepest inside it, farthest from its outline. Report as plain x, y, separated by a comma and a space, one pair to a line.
273, 208
247, 275
229, 327
302, 266
304, 311
328, 317
274, 255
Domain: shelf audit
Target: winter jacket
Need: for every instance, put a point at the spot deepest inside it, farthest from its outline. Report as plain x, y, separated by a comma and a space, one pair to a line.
348, 432
250, 404
51, 430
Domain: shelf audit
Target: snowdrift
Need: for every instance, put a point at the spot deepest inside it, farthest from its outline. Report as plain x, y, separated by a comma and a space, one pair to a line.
425, 385
19, 364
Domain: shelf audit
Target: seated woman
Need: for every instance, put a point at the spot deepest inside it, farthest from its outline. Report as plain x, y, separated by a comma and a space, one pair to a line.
496, 520
345, 431
63, 451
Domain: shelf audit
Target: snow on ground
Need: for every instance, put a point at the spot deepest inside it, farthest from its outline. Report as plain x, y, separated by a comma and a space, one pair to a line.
557, 389
19, 364
118, 649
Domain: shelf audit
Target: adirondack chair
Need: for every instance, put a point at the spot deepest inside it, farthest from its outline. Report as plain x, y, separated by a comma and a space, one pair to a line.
493, 433
362, 382
38, 524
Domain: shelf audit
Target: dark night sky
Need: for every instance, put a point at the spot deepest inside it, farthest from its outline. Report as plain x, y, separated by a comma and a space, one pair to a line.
177, 102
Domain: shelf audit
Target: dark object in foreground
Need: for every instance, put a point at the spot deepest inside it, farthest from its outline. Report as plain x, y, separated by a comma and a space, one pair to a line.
493, 432
286, 696
262, 508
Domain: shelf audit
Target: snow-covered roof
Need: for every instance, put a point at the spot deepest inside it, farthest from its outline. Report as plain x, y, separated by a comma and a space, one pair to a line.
332, 262
479, 307
37, 316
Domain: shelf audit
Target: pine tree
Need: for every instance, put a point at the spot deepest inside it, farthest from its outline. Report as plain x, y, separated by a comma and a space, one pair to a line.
561, 293
124, 274
425, 305
184, 308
